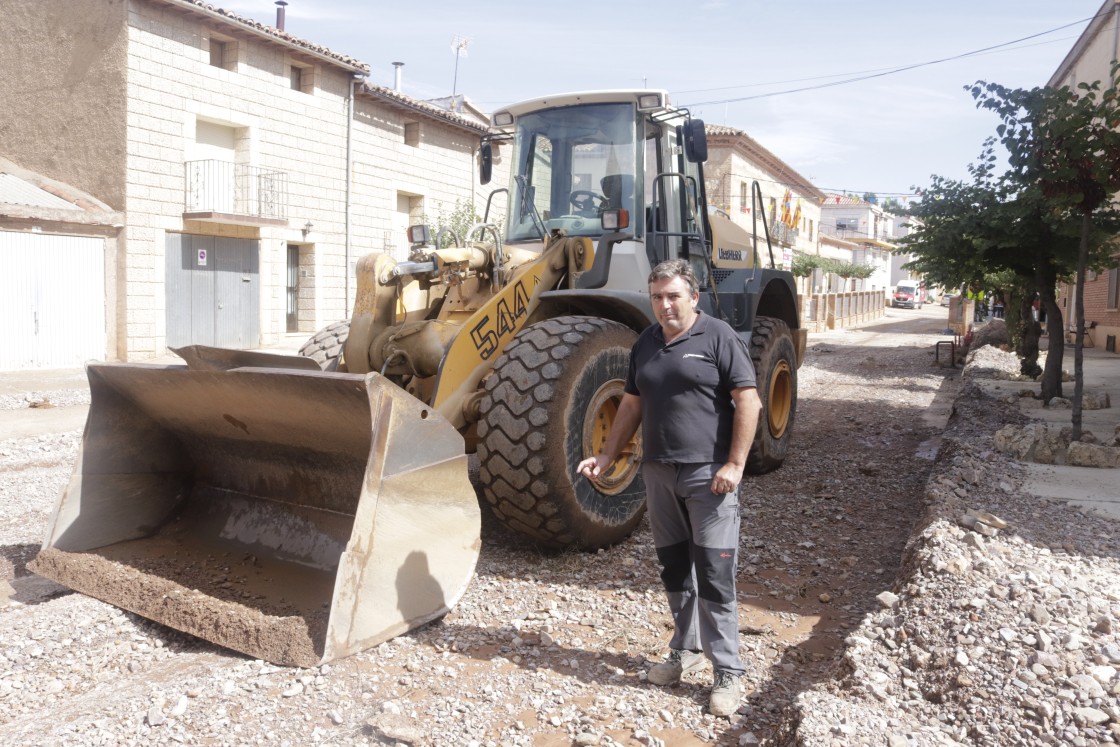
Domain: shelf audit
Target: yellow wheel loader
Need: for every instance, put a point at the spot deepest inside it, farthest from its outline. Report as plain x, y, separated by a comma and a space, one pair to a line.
299, 509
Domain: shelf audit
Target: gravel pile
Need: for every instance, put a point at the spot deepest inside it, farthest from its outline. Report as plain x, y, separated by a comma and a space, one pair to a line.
876, 609
1002, 627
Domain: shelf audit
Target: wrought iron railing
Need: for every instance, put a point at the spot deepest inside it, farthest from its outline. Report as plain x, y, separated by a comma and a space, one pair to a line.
782, 234
235, 189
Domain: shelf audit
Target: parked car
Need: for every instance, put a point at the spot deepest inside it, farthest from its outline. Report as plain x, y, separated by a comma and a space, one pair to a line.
946, 298
908, 295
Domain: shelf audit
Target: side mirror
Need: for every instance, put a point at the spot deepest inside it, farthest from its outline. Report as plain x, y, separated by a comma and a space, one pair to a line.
485, 163
695, 141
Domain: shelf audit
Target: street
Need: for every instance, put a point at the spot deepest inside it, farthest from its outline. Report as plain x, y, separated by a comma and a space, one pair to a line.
542, 648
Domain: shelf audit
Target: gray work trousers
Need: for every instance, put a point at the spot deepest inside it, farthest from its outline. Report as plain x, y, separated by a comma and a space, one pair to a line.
696, 534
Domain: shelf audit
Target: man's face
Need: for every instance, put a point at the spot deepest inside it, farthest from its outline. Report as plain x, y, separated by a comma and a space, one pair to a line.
674, 304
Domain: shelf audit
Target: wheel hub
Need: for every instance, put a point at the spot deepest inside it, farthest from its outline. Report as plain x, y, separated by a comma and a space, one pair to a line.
597, 423
779, 404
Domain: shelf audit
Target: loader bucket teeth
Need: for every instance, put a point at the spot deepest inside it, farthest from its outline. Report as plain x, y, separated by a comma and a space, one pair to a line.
294, 516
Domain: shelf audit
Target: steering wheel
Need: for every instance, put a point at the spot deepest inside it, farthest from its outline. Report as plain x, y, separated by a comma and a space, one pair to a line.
586, 202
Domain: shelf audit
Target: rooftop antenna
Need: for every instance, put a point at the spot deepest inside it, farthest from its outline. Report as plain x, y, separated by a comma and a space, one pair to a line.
459, 47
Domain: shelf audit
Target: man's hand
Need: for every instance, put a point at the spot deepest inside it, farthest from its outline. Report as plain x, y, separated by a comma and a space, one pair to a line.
625, 425
747, 407
727, 479
594, 466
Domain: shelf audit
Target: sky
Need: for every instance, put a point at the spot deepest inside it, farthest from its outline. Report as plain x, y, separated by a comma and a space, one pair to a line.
737, 63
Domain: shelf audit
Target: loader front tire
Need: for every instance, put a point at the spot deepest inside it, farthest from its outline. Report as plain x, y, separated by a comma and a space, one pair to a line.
775, 365
325, 347
548, 405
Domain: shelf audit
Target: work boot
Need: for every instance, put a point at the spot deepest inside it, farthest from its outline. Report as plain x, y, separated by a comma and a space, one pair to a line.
726, 694
676, 665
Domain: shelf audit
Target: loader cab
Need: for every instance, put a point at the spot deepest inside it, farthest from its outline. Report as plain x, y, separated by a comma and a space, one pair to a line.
570, 164
576, 157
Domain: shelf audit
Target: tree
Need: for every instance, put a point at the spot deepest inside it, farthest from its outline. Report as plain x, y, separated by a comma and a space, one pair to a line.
1064, 151
893, 206
457, 223
804, 265
849, 270
970, 230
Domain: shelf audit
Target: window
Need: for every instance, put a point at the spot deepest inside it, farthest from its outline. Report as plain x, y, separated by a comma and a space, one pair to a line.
744, 197
301, 77
217, 53
412, 134
1113, 302
223, 52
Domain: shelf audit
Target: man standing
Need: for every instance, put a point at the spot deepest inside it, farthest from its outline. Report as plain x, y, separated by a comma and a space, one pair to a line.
691, 388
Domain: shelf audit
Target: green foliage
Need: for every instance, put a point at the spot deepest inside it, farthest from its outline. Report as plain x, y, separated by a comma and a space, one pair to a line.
803, 265
830, 265
1050, 214
893, 206
458, 222
849, 270
1061, 142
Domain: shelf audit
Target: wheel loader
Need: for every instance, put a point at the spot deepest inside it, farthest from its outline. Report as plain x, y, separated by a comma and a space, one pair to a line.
303, 508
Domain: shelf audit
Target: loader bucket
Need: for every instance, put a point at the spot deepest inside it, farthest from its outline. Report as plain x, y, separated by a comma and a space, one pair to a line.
294, 516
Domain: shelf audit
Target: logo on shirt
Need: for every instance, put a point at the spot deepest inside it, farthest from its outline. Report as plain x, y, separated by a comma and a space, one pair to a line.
701, 356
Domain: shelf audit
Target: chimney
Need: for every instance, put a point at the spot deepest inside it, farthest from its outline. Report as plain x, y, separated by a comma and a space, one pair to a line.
280, 14
397, 76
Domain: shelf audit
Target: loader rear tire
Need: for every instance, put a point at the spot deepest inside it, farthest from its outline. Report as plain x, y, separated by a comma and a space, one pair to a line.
775, 365
325, 348
548, 405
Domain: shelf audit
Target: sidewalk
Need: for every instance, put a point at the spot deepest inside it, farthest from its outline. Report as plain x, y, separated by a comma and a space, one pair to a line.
1085, 487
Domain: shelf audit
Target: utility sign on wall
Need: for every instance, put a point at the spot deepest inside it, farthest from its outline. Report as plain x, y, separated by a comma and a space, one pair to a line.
201, 257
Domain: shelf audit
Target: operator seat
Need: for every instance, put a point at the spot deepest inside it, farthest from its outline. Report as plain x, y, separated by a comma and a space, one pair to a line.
619, 191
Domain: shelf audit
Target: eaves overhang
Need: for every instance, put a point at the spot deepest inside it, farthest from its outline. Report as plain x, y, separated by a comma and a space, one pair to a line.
247, 25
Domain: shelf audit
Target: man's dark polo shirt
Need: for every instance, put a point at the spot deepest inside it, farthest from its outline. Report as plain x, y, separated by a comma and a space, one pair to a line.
687, 412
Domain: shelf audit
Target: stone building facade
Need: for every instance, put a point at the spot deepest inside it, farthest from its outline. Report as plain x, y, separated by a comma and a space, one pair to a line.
1090, 60
736, 161
865, 224
251, 168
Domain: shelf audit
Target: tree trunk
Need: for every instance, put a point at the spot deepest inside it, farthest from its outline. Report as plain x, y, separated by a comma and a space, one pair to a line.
1029, 331
1079, 324
1047, 278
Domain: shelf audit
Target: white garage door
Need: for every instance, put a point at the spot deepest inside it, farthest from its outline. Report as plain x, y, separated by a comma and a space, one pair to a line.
52, 300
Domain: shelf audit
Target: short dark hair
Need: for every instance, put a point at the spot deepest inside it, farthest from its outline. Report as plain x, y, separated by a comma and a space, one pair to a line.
676, 268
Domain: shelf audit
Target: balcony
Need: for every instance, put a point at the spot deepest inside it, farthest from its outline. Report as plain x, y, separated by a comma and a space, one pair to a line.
782, 234
224, 192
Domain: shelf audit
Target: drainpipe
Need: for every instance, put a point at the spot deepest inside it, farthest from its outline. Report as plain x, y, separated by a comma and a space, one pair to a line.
1115, 30
355, 81
474, 179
